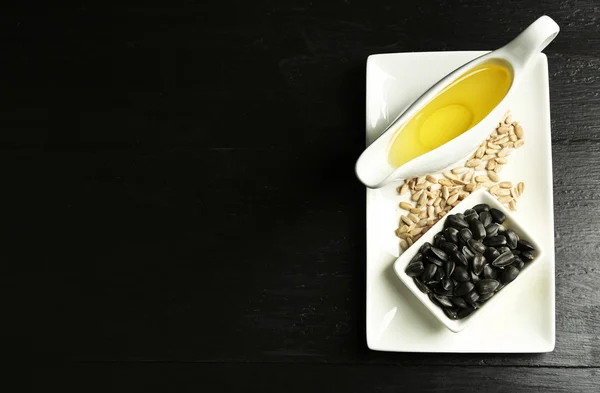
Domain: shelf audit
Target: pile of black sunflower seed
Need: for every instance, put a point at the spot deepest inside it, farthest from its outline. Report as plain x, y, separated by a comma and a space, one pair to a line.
473, 258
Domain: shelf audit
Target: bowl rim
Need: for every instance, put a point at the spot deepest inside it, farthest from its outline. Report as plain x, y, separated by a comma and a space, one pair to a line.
479, 196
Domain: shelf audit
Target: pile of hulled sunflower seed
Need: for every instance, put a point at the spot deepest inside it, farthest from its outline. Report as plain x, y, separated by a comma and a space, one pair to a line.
432, 197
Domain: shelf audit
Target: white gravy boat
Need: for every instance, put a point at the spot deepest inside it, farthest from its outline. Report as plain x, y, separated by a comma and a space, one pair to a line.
373, 168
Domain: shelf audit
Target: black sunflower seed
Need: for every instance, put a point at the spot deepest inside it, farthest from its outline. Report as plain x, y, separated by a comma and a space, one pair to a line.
471, 298
434, 260
511, 238
460, 258
464, 235
422, 287
477, 229
449, 268
471, 217
491, 253
443, 300
441, 255
494, 241
464, 312
460, 274
497, 216
485, 218
527, 256
509, 274
501, 230
481, 207
414, 269
491, 229
524, 245
518, 263
486, 286
429, 272
441, 291
478, 264
503, 249
438, 238
499, 287
467, 252
450, 313
448, 247
418, 257
439, 274
490, 272
447, 284
516, 252
474, 277
459, 302
434, 300
460, 215
504, 259
476, 246
469, 211
463, 288
487, 296
456, 221
425, 247
451, 234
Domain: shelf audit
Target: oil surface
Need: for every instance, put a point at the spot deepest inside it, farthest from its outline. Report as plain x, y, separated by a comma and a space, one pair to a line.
456, 109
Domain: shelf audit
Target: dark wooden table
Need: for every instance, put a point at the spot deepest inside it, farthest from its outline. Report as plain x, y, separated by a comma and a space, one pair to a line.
180, 207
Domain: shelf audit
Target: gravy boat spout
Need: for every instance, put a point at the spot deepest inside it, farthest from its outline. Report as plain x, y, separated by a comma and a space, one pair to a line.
373, 167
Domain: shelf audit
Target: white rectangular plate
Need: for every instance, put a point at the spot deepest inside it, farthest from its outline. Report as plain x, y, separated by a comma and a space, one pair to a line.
396, 320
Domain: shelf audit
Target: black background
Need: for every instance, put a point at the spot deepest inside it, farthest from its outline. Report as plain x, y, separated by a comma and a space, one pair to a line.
180, 209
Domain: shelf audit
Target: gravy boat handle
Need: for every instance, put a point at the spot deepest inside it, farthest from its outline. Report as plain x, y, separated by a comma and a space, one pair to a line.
532, 40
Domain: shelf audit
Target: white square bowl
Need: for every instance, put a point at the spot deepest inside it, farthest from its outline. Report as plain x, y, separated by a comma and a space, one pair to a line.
475, 198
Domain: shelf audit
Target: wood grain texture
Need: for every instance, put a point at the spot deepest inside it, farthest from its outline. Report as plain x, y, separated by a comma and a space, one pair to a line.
192, 377
166, 198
